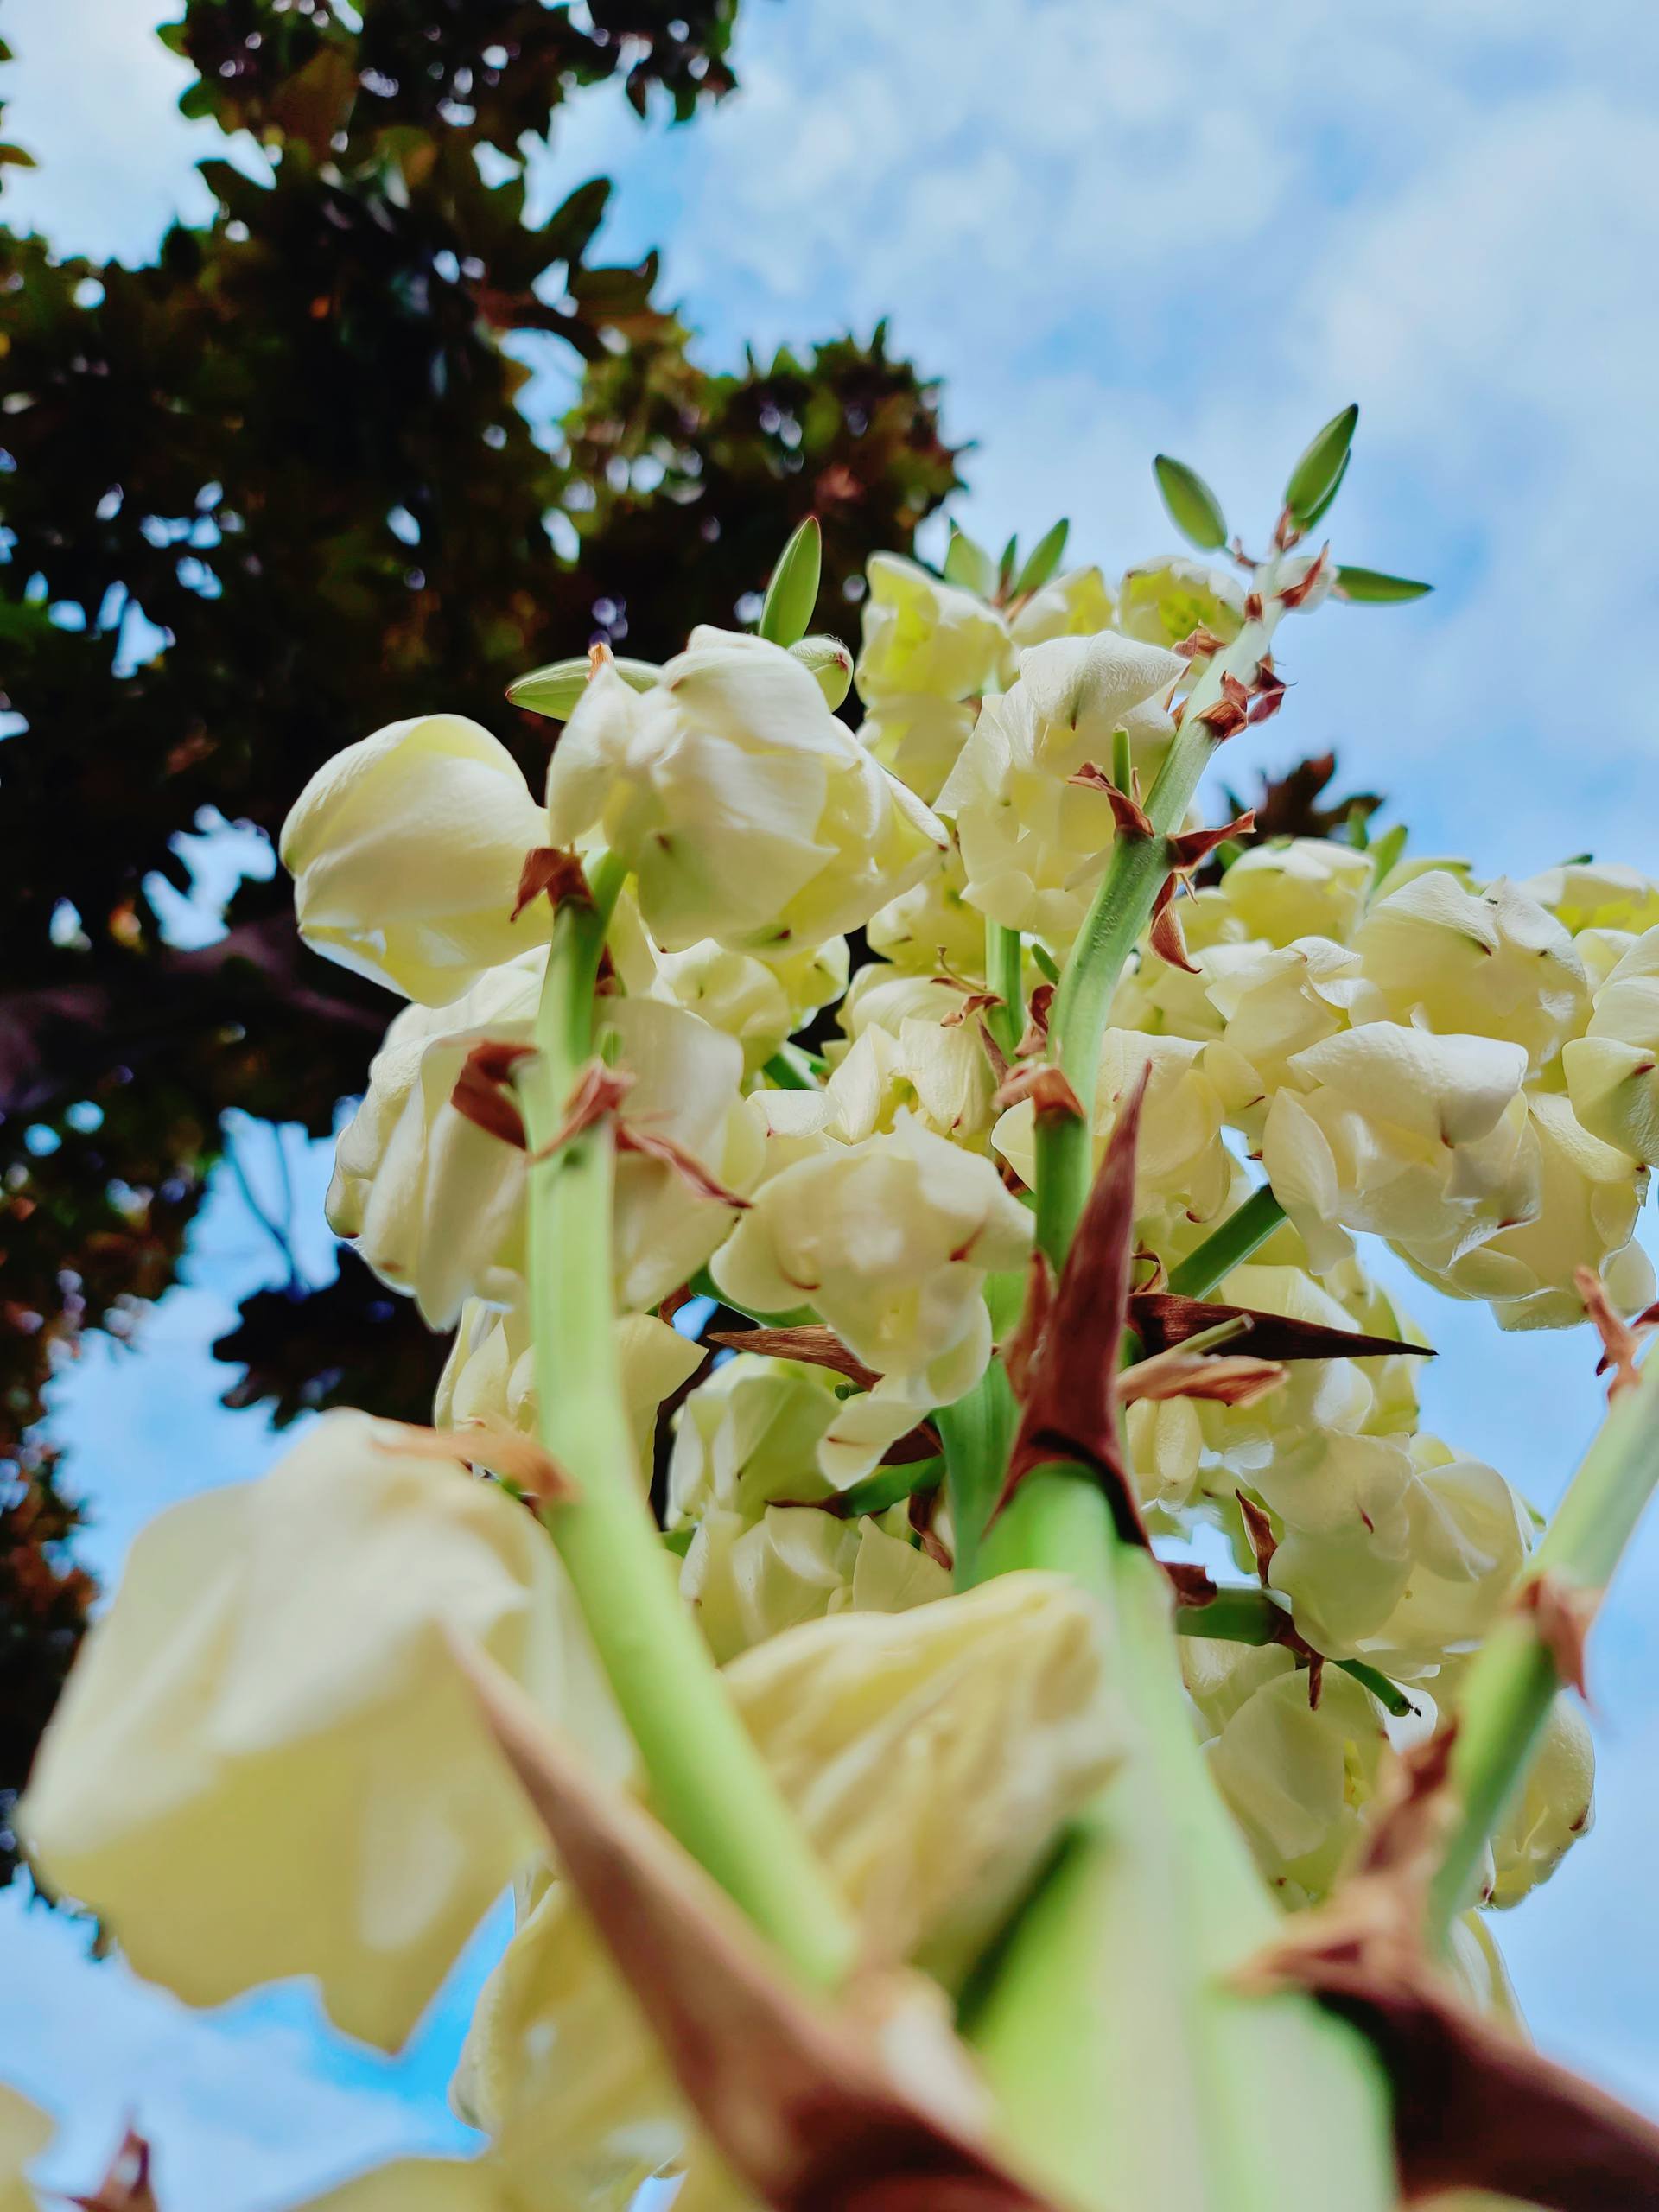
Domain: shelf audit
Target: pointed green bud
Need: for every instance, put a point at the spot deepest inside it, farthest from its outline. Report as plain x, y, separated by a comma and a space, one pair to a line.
969, 566
1042, 561
793, 592
1370, 588
1193, 507
1386, 852
554, 690
1314, 514
1314, 477
1005, 567
832, 663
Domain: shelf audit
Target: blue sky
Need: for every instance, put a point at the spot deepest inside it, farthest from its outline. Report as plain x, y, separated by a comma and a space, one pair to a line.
1113, 229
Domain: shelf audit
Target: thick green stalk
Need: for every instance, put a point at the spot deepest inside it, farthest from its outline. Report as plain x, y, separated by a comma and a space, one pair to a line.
1003, 976
707, 1781
1513, 1679
1245, 1230
977, 1433
1120, 912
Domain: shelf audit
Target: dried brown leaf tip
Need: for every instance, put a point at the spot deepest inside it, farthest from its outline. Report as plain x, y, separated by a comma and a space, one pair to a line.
630, 1137
1128, 815
975, 1003
1474, 2107
126, 2184
1071, 1409
1621, 1340
813, 1345
482, 1092
1046, 1088
1270, 691
1165, 935
1293, 595
487, 1442
788, 2089
598, 1091
1562, 1613
1193, 847
1161, 1319
1200, 644
556, 875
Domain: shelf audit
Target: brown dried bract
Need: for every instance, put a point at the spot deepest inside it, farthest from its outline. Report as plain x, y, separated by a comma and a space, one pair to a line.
1259, 1529
1562, 1613
482, 1092
1193, 847
126, 2186
813, 1345
1226, 1378
1197, 642
1222, 716
1620, 1339
1474, 2107
598, 1091
975, 1003
1045, 1085
1270, 690
1293, 595
1165, 935
1192, 1585
787, 2088
1162, 1319
686, 1165
1020, 1348
548, 870
1035, 1039
1071, 1410
487, 1442
1129, 817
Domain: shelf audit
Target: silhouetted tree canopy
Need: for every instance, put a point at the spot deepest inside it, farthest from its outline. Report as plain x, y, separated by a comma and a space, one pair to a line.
292, 446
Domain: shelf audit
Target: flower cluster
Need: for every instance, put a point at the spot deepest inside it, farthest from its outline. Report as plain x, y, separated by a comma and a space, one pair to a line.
270, 1760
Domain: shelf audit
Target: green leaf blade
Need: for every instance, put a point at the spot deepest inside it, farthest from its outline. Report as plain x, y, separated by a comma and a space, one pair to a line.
1371, 588
1042, 561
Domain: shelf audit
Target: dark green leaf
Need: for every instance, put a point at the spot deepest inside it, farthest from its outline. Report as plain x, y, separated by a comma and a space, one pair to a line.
1314, 477
1370, 588
1193, 507
793, 591
1042, 561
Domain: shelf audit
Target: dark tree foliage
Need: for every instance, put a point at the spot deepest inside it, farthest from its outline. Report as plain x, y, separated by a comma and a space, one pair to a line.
293, 444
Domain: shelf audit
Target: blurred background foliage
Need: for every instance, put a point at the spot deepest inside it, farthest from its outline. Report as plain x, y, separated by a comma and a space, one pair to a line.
263, 496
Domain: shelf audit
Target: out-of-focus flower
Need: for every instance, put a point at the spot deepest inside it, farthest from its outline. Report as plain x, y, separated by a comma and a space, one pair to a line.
1610, 1070
25, 2130
1166, 601
1297, 1775
1032, 843
932, 926
267, 1762
748, 1581
437, 1204
748, 1436
1555, 1806
915, 1047
918, 736
1582, 895
748, 813
490, 1374
932, 1756
405, 851
923, 635
1075, 605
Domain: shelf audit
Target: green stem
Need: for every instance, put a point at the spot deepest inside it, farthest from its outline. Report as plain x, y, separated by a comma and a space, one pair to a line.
1512, 1680
1244, 1231
707, 1781
1120, 911
791, 1070
1007, 1020
977, 1435
1244, 1616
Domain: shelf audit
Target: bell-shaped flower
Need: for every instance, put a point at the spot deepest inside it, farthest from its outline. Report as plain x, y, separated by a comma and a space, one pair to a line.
890, 1240
1586, 895
1181, 1165
1298, 886
923, 635
749, 1579
1341, 1506
918, 737
1554, 1807
917, 1046
1032, 842
1610, 1070
1585, 1215
932, 926
436, 1203
406, 851
490, 1375
1164, 601
1469, 1538
932, 1755
1273, 1005
1422, 1140
267, 1762
1489, 963
1075, 605
747, 1437
748, 813
1296, 1775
